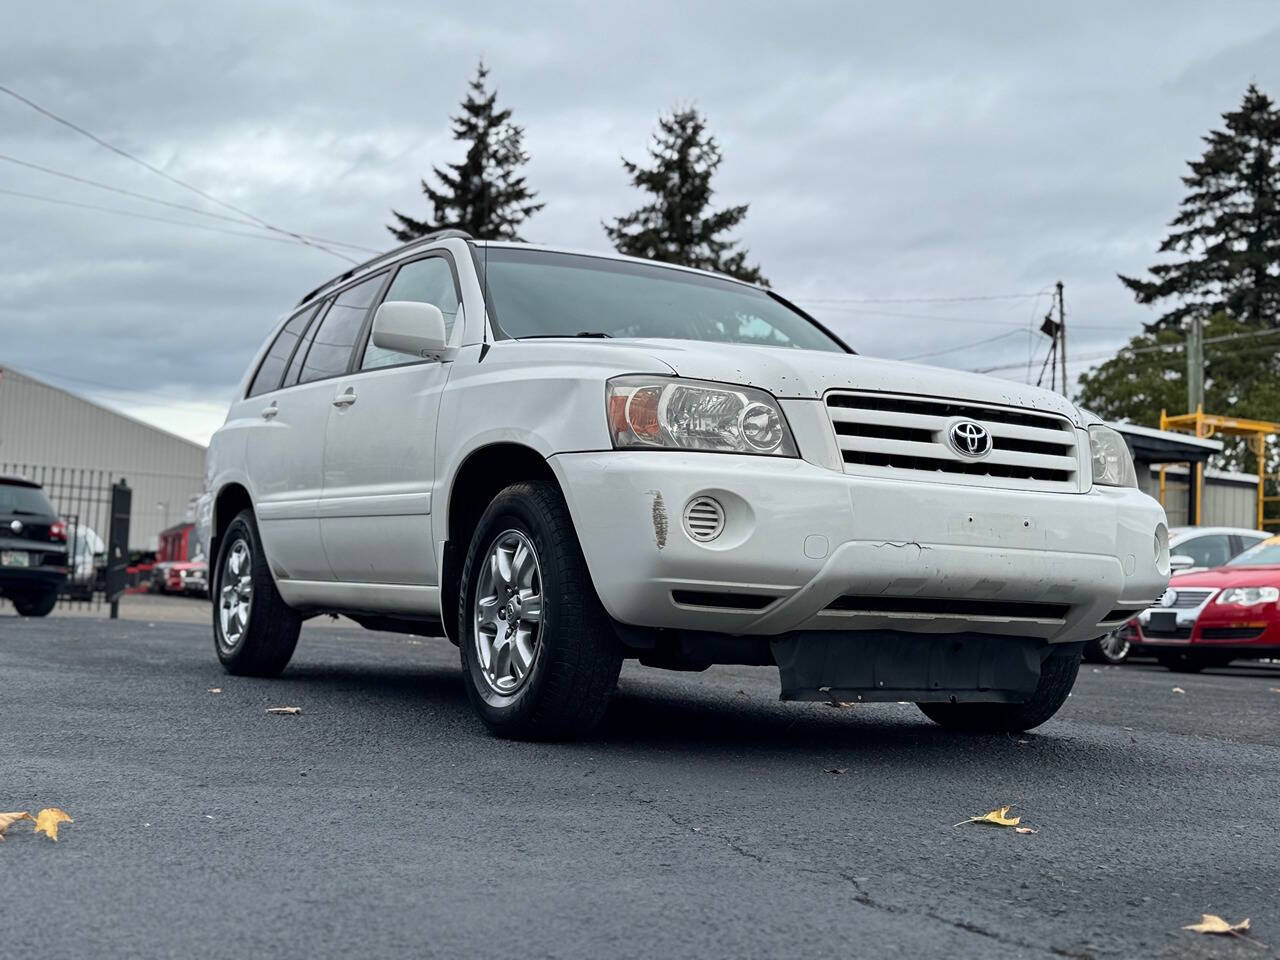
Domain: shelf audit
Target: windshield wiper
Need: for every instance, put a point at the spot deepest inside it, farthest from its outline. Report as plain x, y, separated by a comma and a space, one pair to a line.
552, 336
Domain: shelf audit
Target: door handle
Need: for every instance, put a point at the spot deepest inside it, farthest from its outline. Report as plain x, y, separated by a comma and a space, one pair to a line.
270, 410
345, 399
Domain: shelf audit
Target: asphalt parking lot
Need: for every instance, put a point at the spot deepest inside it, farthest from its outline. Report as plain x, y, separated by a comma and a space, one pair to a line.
700, 821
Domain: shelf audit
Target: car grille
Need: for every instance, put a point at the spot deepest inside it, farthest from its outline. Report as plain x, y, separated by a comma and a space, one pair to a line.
885, 434
1187, 599
1232, 633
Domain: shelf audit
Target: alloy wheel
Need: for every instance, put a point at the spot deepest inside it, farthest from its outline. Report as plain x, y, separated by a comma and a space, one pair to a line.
236, 595
507, 612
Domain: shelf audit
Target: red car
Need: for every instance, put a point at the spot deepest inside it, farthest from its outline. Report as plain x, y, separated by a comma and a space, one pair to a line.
1210, 618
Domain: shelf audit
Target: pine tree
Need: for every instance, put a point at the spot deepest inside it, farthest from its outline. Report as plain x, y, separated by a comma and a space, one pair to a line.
677, 226
485, 194
1228, 228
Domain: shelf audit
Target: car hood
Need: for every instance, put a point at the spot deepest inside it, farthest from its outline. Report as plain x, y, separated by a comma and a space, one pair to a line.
1229, 576
808, 374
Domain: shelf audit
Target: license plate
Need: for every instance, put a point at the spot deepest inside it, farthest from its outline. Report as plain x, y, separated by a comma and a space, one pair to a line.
15, 558
1164, 621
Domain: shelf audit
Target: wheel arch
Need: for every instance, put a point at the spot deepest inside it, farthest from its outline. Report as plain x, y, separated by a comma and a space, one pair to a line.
232, 498
480, 476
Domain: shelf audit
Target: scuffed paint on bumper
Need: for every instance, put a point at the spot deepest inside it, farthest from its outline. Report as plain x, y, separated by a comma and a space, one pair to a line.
798, 536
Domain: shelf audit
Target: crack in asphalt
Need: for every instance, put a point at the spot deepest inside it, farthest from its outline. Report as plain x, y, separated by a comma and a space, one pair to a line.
862, 898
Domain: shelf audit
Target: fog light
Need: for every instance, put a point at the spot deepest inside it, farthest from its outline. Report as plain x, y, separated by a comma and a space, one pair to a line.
1162, 549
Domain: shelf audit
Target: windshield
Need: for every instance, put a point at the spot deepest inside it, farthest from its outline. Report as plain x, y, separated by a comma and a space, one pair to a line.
536, 293
26, 500
1264, 554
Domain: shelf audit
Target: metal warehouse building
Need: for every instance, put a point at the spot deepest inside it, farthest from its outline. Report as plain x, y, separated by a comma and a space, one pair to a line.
78, 448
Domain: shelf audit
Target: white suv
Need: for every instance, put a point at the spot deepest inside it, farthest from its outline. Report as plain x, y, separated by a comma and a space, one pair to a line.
562, 460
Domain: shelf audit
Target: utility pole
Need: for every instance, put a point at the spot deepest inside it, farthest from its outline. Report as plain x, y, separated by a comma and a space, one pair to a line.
1062, 338
1195, 365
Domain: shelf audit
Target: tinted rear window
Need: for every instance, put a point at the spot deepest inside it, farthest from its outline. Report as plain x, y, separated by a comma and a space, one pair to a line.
268, 375
24, 500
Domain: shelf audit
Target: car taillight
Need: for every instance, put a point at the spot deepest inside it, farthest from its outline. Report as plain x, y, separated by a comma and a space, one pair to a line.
58, 531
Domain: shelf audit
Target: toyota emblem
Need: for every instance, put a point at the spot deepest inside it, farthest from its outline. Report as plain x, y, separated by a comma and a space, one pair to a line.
970, 438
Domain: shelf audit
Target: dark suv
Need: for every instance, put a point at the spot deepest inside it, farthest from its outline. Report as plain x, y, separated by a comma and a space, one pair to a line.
33, 547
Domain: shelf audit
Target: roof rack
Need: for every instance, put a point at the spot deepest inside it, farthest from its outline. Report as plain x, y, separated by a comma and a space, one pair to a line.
427, 238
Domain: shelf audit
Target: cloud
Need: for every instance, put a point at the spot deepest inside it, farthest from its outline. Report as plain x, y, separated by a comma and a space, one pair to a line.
905, 150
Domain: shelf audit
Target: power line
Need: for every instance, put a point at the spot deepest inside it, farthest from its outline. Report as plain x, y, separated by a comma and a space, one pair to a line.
145, 216
168, 176
963, 346
166, 203
1155, 348
981, 320
974, 299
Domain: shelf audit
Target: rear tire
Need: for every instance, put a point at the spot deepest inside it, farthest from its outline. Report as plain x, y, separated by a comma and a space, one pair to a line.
38, 605
1057, 677
1110, 648
540, 658
254, 630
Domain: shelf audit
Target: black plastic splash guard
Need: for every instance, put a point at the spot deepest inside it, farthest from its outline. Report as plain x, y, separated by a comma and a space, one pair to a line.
891, 666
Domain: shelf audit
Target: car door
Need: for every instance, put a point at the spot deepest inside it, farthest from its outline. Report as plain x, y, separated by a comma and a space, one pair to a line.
379, 460
283, 454
286, 458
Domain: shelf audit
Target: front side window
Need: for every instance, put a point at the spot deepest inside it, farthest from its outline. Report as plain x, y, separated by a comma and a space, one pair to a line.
425, 281
272, 366
537, 293
1209, 551
330, 351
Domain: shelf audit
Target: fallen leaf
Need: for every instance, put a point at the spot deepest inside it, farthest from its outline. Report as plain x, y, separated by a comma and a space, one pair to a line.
9, 819
1274, 689
47, 821
1024, 830
840, 704
742, 693
1212, 923
836, 770
288, 710
215, 689
1178, 690
996, 818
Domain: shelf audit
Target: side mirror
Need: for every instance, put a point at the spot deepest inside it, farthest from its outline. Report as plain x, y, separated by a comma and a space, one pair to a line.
1181, 561
407, 326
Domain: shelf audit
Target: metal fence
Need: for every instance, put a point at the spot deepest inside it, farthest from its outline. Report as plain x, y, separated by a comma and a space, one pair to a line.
82, 498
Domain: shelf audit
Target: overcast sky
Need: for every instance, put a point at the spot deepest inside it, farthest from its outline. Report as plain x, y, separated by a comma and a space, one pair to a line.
889, 150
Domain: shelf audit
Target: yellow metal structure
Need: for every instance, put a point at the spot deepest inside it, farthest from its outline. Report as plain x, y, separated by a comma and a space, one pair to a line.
1206, 425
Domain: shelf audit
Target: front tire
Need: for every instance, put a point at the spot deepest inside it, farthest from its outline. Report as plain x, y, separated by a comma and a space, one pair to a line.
39, 605
254, 631
1057, 677
539, 655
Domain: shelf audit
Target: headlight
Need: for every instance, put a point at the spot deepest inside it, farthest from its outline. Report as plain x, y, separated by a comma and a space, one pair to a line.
1248, 596
665, 412
1112, 464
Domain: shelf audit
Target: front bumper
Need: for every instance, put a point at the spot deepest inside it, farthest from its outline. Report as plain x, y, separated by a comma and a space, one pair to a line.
926, 557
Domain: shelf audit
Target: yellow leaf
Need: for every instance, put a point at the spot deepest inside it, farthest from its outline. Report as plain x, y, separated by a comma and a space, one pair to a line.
288, 710
9, 819
996, 818
47, 821
1212, 923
